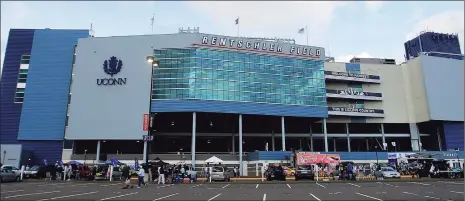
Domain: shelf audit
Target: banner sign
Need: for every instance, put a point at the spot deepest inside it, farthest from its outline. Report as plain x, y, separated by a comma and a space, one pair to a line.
358, 110
315, 158
354, 75
352, 93
145, 123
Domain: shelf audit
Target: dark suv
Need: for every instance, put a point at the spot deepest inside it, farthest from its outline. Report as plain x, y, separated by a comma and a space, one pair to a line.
275, 173
304, 171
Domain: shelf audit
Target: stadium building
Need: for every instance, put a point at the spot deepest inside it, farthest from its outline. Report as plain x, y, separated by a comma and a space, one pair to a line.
66, 95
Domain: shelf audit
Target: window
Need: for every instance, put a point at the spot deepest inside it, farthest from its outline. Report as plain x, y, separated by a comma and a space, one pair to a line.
25, 59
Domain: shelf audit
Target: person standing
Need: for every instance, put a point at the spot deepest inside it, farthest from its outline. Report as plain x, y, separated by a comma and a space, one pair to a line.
141, 175
350, 170
161, 175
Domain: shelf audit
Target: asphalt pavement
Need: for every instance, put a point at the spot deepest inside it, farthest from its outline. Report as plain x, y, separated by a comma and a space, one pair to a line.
452, 190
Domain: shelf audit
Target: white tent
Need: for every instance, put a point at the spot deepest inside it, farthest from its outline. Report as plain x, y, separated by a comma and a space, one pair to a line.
214, 160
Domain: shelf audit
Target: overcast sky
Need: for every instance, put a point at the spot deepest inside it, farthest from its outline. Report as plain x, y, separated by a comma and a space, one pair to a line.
345, 29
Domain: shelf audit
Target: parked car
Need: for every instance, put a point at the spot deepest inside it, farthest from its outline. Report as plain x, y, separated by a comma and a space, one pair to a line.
220, 173
13, 169
275, 173
8, 175
33, 172
304, 171
289, 171
387, 172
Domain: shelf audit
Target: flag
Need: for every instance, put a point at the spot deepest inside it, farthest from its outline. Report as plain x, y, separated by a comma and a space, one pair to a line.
45, 162
114, 162
237, 21
153, 19
136, 163
301, 31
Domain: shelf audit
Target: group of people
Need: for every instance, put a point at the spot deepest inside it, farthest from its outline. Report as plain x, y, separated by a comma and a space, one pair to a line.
161, 174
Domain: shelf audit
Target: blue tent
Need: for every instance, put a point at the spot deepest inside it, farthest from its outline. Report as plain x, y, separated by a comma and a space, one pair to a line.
74, 163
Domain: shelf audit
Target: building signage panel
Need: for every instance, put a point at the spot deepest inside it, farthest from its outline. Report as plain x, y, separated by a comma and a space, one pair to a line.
354, 75
112, 67
145, 122
352, 93
358, 110
261, 46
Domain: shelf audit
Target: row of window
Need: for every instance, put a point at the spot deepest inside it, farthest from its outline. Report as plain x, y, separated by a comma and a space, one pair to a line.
22, 78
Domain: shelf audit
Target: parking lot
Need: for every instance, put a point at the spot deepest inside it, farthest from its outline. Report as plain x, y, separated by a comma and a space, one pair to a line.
377, 190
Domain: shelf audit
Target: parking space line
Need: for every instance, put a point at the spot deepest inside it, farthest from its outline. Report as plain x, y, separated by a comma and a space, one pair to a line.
196, 185
387, 184
450, 182
369, 196
423, 196
256, 186
456, 192
11, 191
166, 196
14, 196
264, 197
165, 186
354, 185
320, 185
226, 186
67, 196
288, 185
119, 196
420, 183
110, 185
214, 197
47, 184
316, 198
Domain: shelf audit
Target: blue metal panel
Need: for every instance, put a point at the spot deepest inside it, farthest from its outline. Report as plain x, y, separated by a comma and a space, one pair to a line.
237, 108
46, 96
353, 67
19, 43
453, 133
50, 150
433, 42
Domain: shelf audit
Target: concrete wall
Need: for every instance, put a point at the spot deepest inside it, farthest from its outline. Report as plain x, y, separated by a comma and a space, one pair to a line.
417, 102
392, 89
444, 83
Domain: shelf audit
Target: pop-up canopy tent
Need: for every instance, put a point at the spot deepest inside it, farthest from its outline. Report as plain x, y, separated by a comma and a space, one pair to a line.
157, 161
214, 160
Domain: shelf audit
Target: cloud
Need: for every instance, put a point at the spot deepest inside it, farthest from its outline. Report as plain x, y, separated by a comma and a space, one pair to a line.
347, 58
445, 22
374, 6
270, 19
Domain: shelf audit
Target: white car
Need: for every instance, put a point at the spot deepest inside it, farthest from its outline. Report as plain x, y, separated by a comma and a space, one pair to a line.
13, 169
387, 172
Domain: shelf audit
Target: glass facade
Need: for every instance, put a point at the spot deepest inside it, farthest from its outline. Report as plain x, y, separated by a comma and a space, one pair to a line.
207, 74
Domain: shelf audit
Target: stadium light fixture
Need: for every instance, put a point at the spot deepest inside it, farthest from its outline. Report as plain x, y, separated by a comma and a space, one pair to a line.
149, 59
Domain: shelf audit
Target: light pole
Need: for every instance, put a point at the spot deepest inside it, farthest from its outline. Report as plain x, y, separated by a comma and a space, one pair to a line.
153, 63
377, 160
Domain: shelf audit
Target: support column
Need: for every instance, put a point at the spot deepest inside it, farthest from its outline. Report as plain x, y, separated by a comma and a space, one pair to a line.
311, 138
300, 143
144, 157
272, 140
325, 132
194, 121
348, 137
368, 144
97, 157
414, 137
334, 144
283, 134
384, 139
241, 170
439, 138
233, 144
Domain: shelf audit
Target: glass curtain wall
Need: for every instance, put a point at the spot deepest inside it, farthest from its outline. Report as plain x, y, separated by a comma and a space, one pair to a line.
208, 74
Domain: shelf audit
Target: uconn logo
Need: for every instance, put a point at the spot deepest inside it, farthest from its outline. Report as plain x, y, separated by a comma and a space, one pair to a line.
112, 67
